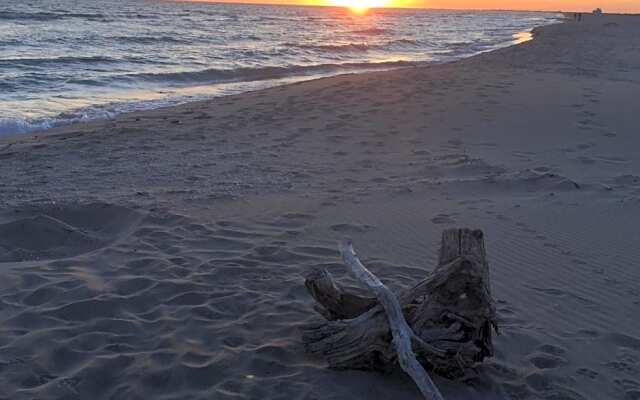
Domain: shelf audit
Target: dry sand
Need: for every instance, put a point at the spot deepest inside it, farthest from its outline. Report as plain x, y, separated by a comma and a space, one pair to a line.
161, 254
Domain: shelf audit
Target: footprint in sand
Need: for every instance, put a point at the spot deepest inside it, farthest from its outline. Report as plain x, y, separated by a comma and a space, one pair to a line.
622, 340
548, 356
546, 361
584, 146
421, 152
443, 219
293, 220
350, 228
630, 387
587, 372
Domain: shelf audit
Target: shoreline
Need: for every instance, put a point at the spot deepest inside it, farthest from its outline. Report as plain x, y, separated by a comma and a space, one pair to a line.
264, 85
163, 253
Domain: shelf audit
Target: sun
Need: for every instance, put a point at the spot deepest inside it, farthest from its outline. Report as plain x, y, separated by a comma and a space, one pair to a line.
360, 6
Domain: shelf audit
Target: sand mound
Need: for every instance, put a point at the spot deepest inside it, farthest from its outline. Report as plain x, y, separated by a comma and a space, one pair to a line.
530, 180
60, 232
42, 237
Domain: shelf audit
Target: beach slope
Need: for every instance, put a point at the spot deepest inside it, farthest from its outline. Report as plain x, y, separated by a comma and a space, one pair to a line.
162, 254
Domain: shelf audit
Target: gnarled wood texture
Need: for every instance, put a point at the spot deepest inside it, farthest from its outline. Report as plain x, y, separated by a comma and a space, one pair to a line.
334, 302
400, 331
451, 313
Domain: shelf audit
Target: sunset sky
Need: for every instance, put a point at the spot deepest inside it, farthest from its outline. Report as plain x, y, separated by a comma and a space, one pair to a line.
617, 6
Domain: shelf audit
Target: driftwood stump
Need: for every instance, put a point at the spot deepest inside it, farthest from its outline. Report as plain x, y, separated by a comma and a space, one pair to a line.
450, 315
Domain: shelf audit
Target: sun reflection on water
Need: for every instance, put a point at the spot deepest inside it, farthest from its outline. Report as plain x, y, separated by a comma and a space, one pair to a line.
361, 7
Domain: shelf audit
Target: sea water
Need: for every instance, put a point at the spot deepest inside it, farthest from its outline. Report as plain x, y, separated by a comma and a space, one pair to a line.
63, 61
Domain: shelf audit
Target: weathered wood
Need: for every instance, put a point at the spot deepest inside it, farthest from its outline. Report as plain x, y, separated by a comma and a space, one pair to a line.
334, 302
358, 343
458, 295
451, 314
461, 242
400, 330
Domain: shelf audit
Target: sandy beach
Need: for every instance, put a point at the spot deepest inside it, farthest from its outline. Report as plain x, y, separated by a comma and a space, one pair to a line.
162, 254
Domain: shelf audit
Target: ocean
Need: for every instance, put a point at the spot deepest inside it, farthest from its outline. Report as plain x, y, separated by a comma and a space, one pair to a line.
63, 61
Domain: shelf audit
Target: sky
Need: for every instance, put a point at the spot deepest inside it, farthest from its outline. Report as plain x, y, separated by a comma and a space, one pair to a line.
613, 6
629, 6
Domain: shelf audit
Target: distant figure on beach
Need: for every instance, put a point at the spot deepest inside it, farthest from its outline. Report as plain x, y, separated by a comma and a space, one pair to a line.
597, 11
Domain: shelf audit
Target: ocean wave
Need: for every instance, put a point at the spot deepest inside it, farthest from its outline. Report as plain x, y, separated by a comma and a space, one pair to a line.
36, 16
258, 74
334, 48
10, 42
56, 60
372, 31
406, 42
45, 16
148, 39
225, 46
355, 47
457, 45
10, 126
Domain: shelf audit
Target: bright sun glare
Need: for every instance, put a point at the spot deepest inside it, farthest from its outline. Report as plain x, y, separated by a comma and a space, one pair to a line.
360, 6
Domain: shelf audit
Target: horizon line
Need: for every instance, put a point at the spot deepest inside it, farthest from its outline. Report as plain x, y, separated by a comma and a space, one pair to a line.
258, 3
